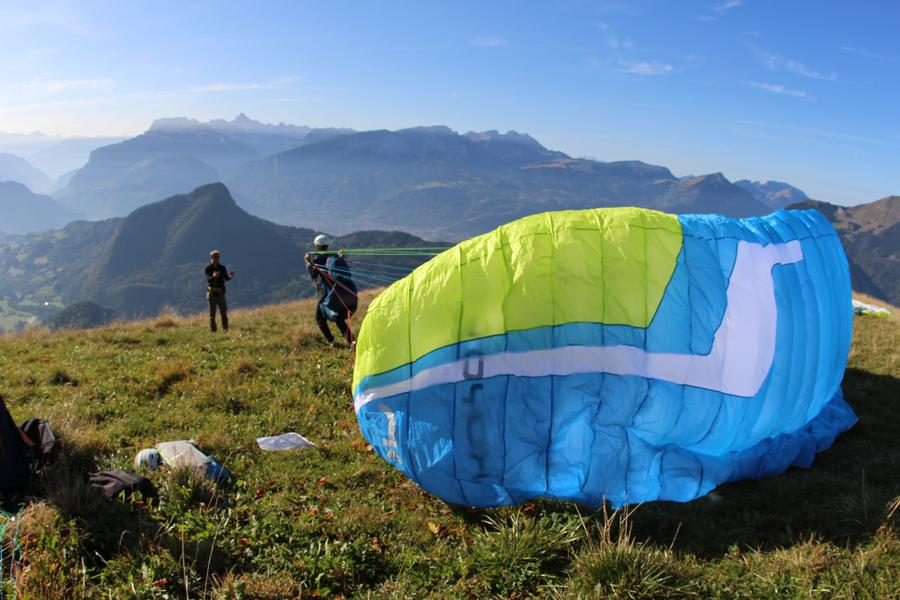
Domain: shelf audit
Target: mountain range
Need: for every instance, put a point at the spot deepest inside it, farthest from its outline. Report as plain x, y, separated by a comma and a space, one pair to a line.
265, 139
430, 181
436, 183
871, 237
175, 155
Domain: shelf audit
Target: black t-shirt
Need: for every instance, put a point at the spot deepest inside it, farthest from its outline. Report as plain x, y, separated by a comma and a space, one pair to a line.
216, 276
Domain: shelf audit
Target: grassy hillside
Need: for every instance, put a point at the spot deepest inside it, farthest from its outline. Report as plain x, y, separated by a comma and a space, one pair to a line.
338, 521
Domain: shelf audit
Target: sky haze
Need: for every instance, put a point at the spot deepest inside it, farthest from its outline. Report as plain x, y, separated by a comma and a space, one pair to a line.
804, 92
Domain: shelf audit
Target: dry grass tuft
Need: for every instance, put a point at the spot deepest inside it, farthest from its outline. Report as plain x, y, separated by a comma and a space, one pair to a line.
167, 318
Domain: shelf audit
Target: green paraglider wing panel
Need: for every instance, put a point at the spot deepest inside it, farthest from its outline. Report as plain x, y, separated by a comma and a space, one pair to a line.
601, 266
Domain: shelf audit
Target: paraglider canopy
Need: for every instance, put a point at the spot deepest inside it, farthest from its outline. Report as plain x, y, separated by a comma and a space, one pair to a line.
610, 354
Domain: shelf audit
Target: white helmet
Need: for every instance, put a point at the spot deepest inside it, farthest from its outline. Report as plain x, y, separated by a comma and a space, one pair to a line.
322, 240
148, 458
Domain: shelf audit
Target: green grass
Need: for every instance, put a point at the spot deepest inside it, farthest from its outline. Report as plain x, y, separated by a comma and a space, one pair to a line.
338, 521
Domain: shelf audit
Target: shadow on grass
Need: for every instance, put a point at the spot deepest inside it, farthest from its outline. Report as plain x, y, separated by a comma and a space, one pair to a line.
842, 498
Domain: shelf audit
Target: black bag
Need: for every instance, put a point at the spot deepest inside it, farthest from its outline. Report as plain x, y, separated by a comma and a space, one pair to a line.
44, 447
14, 461
112, 483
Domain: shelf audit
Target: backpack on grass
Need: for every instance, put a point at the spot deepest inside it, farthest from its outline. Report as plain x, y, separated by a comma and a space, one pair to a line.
116, 481
44, 445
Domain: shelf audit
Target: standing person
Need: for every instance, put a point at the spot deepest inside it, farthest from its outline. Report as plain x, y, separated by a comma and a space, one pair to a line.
216, 276
318, 268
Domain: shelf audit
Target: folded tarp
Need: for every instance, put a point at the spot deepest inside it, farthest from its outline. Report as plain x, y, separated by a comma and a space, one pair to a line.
285, 441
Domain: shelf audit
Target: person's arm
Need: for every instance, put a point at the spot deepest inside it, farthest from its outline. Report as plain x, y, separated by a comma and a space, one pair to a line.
311, 267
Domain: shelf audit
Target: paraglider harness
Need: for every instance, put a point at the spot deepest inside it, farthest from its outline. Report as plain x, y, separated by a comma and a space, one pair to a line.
340, 300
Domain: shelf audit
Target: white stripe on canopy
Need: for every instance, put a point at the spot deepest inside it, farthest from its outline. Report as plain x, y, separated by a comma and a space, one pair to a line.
740, 359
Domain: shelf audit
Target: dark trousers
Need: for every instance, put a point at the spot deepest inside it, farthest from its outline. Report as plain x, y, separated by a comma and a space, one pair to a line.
217, 300
322, 322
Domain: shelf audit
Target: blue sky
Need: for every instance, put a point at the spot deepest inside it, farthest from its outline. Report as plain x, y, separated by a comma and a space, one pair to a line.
801, 91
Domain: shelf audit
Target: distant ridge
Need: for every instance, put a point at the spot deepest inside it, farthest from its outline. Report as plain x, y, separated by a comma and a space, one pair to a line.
774, 194
53, 155
15, 168
438, 184
22, 211
173, 156
871, 237
124, 176
711, 194
429, 180
264, 138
